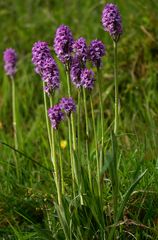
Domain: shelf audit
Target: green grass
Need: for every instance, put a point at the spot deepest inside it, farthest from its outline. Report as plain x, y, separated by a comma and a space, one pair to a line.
27, 204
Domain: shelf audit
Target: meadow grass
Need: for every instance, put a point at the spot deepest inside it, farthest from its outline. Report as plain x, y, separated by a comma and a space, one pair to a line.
27, 203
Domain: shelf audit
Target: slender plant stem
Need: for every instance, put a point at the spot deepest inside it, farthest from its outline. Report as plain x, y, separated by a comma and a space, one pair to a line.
72, 140
61, 167
46, 116
114, 173
14, 126
114, 139
102, 118
71, 157
96, 145
116, 89
87, 138
79, 144
56, 169
72, 118
55, 164
48, 217
78, 119
72, 132
68, 82
14, 113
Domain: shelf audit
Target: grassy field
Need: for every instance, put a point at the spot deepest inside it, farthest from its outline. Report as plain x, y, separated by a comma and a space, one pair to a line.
27, 200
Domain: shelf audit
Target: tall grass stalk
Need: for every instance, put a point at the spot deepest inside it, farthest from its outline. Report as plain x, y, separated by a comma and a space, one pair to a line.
72, 118
96, 146
79, 143
87, 138
71, 157
46, 115
72, 136
75, 164
114, 174
116, 120
61, 166
14, 126
78, 120
14, 113
57, 176
102, 118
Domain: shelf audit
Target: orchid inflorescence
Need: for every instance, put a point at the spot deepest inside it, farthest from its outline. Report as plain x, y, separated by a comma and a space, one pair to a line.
10, 60
58, 112
111, 20
73, 53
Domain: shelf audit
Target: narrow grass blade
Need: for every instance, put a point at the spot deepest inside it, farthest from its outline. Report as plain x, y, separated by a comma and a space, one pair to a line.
128, 194
63, 221
24, 155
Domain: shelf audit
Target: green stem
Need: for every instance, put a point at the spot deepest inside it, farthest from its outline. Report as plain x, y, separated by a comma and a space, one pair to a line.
14, 126
61, 170
87, 137
14, 114
71, 157
46, 115
116, 89
96, 145
68, 80
71, 117
86, 112
79, 144
61, 167
102, 119
78, 119
114, 174
56, 169
72, 132
55, 163
72, 140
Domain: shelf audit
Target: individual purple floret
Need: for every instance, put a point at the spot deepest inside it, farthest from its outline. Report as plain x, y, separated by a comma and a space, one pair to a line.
96, 52
10, 60
75, 72
63, 43
68, 105
50, 75
55, 115
111, 21
40, 52
80, 49
87, 78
